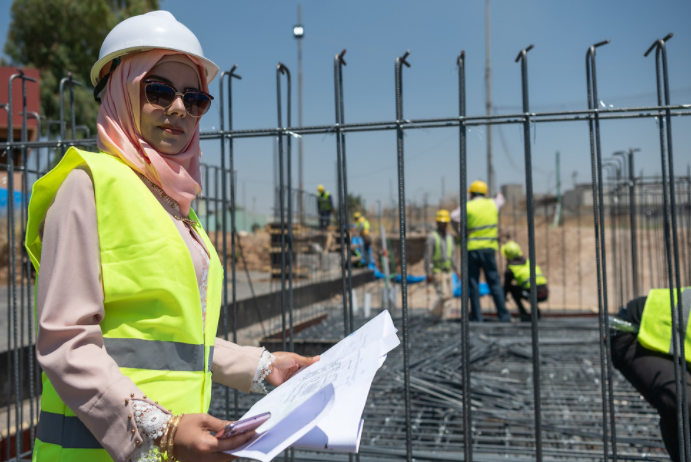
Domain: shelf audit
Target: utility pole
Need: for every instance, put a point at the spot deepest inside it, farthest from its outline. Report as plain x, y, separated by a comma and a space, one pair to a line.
558, 212
443, 194
298, 32
488, 85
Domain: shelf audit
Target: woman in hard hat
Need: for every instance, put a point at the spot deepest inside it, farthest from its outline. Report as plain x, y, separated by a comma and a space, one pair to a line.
129, 287
518, 269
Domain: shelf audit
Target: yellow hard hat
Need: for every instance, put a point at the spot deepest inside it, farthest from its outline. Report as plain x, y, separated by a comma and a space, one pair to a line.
478, 187
357, 215
511, 250
320, 188
443, 216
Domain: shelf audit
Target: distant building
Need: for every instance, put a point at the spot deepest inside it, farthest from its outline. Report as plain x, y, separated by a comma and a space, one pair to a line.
580, 196
513, 193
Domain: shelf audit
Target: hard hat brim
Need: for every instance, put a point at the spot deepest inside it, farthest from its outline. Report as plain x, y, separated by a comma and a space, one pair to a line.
210, 68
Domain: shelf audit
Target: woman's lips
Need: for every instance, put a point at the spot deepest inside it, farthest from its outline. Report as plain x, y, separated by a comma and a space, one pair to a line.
171, 130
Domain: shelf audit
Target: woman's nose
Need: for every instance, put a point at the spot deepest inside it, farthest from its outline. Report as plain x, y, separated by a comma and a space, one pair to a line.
178, 107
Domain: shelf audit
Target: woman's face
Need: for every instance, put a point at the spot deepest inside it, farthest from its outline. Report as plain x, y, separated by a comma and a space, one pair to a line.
169, 130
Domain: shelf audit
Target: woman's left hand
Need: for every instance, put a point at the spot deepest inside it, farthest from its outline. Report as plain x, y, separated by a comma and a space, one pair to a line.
286, 365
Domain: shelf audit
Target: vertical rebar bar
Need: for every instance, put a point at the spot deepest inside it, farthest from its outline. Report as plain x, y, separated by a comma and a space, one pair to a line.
523, 58
465, 342
633, 230
11, 280
671, 246
402, 232
281, 192
344, 174
343, 220
598, 211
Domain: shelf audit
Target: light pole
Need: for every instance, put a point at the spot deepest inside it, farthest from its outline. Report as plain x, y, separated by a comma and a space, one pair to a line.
632, 217
298, 32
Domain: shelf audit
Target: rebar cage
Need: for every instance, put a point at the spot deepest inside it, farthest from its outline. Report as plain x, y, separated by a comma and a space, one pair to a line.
649, 218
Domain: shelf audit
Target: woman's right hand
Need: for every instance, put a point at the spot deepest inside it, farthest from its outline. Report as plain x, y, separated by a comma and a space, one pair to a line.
194, 442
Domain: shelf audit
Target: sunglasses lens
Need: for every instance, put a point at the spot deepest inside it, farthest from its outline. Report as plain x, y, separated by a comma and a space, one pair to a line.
196, 103
159, 95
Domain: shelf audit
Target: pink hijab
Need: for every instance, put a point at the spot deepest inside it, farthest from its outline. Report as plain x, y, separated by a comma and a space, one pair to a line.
119, 131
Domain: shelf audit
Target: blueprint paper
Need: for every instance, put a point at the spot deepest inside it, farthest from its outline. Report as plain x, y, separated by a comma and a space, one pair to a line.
349, 367
268, 444
342, 428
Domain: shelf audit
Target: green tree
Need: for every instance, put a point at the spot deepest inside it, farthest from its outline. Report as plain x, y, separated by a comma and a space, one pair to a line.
61, 36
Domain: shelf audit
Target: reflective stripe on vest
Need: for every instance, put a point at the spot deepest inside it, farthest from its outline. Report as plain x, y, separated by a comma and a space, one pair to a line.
522, 275
136, 353
324, 202
483, 217
153, 326
655, 332
439, 262
66, 431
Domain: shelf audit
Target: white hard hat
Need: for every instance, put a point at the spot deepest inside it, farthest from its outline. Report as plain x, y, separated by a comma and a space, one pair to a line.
158, 29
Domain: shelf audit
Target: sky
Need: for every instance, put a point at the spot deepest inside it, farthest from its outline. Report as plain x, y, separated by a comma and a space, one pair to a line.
257, 35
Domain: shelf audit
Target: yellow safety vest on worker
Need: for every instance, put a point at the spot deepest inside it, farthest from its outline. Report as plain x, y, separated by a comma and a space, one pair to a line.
363, 226
324, 201
483, 217
153, 327
521, 274
439, 262
655, 332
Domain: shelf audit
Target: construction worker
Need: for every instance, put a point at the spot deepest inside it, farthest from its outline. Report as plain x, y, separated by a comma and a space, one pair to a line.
363, 228
518, 269
325, 207
440, 259
128, 298
483, 216
644, 355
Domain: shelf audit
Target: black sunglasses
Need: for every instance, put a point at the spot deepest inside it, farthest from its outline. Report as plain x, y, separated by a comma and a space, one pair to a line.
162, 95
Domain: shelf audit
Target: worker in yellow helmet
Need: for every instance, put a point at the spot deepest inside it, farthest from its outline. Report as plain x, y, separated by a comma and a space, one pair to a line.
641, 346
363, 228
325, 206
518, 269
440, 259
483, 216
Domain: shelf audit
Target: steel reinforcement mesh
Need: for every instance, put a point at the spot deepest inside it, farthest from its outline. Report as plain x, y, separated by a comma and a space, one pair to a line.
501, 395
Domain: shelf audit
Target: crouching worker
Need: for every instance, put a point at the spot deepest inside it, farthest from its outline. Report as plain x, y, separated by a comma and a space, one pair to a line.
645, 356
518, 269
439, 260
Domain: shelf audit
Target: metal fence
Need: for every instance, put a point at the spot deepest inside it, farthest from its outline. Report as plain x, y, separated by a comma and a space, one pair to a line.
665, 223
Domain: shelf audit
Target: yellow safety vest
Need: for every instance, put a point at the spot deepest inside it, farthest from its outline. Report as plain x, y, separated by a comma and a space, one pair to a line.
483, 217
522, 275
153, 317
324, 201
655, 332
363, 226
440, 263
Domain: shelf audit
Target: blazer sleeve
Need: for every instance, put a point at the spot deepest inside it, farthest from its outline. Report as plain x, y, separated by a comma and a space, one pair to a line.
235, 366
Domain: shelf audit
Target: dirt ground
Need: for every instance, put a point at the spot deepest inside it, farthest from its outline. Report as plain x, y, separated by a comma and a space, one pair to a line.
255, 248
